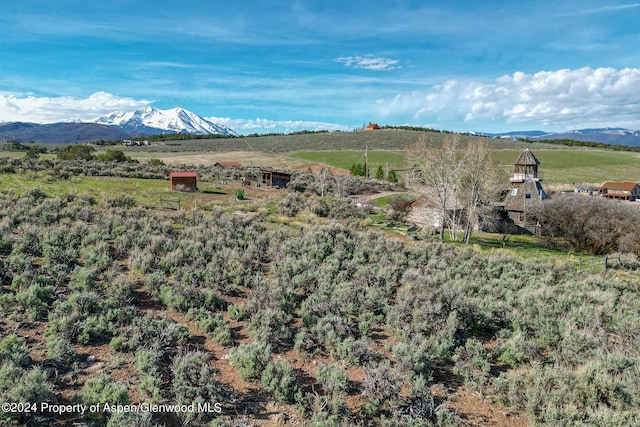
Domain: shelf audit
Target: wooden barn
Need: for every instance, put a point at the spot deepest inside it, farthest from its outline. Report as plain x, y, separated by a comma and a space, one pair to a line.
372, 126
620, 191
275, 179
184, 181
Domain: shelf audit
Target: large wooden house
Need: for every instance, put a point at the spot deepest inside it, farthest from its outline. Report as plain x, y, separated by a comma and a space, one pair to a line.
620, 191
526, 191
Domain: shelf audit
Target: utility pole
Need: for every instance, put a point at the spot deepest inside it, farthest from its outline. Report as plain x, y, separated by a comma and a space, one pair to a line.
366, 161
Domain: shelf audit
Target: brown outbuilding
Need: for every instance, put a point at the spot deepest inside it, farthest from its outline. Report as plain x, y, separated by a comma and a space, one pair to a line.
184, 181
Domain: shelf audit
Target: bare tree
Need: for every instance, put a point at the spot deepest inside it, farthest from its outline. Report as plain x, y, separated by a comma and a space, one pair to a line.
434, 173
323, 179
480, 185
460, 181
591, 224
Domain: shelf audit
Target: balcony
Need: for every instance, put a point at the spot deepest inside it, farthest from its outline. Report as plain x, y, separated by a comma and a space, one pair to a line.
522, 177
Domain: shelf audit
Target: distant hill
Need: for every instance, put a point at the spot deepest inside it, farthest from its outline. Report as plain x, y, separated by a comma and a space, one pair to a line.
613, 136
115, 126
61, 133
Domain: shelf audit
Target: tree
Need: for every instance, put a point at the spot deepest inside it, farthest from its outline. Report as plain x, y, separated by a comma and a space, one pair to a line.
434, 172
32, 153
480, 184
358, 169
117, 156
460, 181
591, 224
76, 152
379, 173
392, 176
323, 180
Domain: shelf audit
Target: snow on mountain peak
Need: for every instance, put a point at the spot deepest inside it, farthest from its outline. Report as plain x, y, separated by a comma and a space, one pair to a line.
176, 120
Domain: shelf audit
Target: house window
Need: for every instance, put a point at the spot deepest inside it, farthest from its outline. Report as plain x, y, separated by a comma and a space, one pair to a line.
514, 192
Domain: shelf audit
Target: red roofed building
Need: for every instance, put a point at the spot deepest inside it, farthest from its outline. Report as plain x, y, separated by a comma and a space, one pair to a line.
373, 126
620, 190
184, 181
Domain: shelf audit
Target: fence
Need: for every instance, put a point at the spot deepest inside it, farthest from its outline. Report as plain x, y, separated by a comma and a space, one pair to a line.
596, 265
170, 203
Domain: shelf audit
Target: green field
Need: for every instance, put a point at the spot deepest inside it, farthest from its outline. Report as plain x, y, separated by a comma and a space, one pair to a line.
146, 192
386, 148
344, 159
558, 166
580, 165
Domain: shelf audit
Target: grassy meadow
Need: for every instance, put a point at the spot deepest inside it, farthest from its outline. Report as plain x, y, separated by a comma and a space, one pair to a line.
386, 148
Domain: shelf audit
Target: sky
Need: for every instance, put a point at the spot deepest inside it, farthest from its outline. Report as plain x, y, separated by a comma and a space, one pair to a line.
262, 66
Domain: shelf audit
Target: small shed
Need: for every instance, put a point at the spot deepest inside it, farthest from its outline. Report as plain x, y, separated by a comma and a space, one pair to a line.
275, 179
227, 164
184, 181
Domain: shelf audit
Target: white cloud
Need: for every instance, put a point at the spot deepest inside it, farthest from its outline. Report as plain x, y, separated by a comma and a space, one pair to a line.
612, 8
64, 108
245, 126
560, 99
369, 62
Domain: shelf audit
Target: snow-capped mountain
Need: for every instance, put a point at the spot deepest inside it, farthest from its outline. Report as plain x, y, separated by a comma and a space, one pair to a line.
175, 120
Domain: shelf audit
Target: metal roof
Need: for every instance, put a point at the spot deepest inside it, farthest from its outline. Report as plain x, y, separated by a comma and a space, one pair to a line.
183, 175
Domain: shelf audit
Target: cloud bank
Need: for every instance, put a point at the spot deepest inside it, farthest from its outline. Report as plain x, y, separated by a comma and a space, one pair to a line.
562, 99
64, 108
369, 62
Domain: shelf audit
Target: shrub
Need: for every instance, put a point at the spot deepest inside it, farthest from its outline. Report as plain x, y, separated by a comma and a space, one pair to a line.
103, 390
117, 156
122, 201
333, 379
157, 334
21, 386
212, 325
14, 348
60, 350
472, 363
148, 363
291, 204
193, 383
137, 419
250, 359
415, 358
281, 382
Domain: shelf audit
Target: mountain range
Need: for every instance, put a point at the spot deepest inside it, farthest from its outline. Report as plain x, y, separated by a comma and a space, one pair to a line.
612, 136
114, 126
148, 121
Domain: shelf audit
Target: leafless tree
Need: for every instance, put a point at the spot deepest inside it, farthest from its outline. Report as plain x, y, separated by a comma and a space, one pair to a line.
481, 182
434, 172
460, 181
587, 223
324, 179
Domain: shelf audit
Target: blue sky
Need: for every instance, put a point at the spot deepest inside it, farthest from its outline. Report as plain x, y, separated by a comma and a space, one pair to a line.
274, 66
